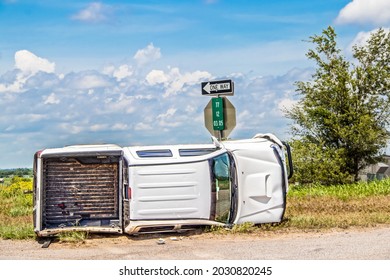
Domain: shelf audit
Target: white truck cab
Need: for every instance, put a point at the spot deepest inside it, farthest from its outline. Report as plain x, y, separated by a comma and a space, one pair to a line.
139, 189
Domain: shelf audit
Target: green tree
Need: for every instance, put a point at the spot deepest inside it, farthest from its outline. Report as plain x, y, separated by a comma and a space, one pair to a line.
345, 109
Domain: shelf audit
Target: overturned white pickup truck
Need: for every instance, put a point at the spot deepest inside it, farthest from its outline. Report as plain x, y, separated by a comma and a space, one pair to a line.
107, 188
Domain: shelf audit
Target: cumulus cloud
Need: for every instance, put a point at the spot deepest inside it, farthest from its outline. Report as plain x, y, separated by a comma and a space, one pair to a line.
94, 13
86, 80
71, 128
98, 127
51, 99
29, 63
174, 81
122, 72
286, 104
148, 54
156, 77
362, 37
167, 119
365, 11
143, 126
28, 69
125, 106
120, 126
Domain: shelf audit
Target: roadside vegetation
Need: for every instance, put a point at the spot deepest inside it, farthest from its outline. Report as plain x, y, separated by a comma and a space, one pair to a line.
309, 207
16, 209
317, 207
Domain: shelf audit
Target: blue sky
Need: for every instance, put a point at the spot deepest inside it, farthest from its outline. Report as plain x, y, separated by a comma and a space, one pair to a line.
129, 72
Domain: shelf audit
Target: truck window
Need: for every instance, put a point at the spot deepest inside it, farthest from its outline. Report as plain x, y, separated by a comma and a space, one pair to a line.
221, 181
154, 153
195, 152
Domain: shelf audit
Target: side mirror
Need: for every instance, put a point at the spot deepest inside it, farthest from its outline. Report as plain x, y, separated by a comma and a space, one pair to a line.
290, 167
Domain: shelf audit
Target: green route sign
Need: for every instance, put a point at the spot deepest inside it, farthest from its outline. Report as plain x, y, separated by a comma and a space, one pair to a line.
217, 111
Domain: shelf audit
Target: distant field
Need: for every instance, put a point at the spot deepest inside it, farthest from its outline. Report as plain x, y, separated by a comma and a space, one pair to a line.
308, 208
6, 175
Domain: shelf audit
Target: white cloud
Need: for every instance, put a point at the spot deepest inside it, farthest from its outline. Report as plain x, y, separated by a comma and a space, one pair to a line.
365, 11
92, 81
286, 104
156, 77
34, 117
29, 63
51, 99
154, 107
143, 126
168, 114
147, 55
26, 66
167, 119
15, 86
362, 37
98, 127
122, 72
174, 81
120, 126
190, 109
95, 12
10, 128
123, 104
86, 80
73, 129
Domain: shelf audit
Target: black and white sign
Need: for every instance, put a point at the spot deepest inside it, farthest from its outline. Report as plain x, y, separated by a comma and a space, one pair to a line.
215, 88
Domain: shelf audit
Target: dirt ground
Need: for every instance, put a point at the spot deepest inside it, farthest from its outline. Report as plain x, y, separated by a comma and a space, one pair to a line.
351, 244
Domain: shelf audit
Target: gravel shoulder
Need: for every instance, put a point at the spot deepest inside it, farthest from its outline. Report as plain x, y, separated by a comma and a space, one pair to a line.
351, 244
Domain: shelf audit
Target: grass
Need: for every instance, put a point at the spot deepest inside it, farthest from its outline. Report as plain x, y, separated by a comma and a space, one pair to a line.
319, 207
73, 237
342, 206
312, 207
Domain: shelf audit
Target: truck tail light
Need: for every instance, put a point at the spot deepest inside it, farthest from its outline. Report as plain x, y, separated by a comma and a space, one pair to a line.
129, 193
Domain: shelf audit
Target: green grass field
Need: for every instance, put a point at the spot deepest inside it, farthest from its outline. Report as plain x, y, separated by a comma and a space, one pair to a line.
360, 205
308, 208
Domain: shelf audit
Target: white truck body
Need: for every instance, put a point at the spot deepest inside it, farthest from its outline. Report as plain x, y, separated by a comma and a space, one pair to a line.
106, 188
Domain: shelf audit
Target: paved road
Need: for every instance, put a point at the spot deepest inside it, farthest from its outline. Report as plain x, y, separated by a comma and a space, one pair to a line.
367, 244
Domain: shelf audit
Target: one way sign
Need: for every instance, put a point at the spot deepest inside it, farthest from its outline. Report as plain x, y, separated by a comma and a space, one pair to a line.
215, 88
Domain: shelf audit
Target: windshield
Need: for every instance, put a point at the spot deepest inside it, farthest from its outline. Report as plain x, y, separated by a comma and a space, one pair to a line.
221, 187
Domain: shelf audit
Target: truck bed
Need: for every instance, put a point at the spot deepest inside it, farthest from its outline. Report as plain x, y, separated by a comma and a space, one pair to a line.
79, 192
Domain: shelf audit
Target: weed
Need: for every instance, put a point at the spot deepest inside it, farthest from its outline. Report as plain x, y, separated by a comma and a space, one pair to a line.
16, 231
73, 236
246, 227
